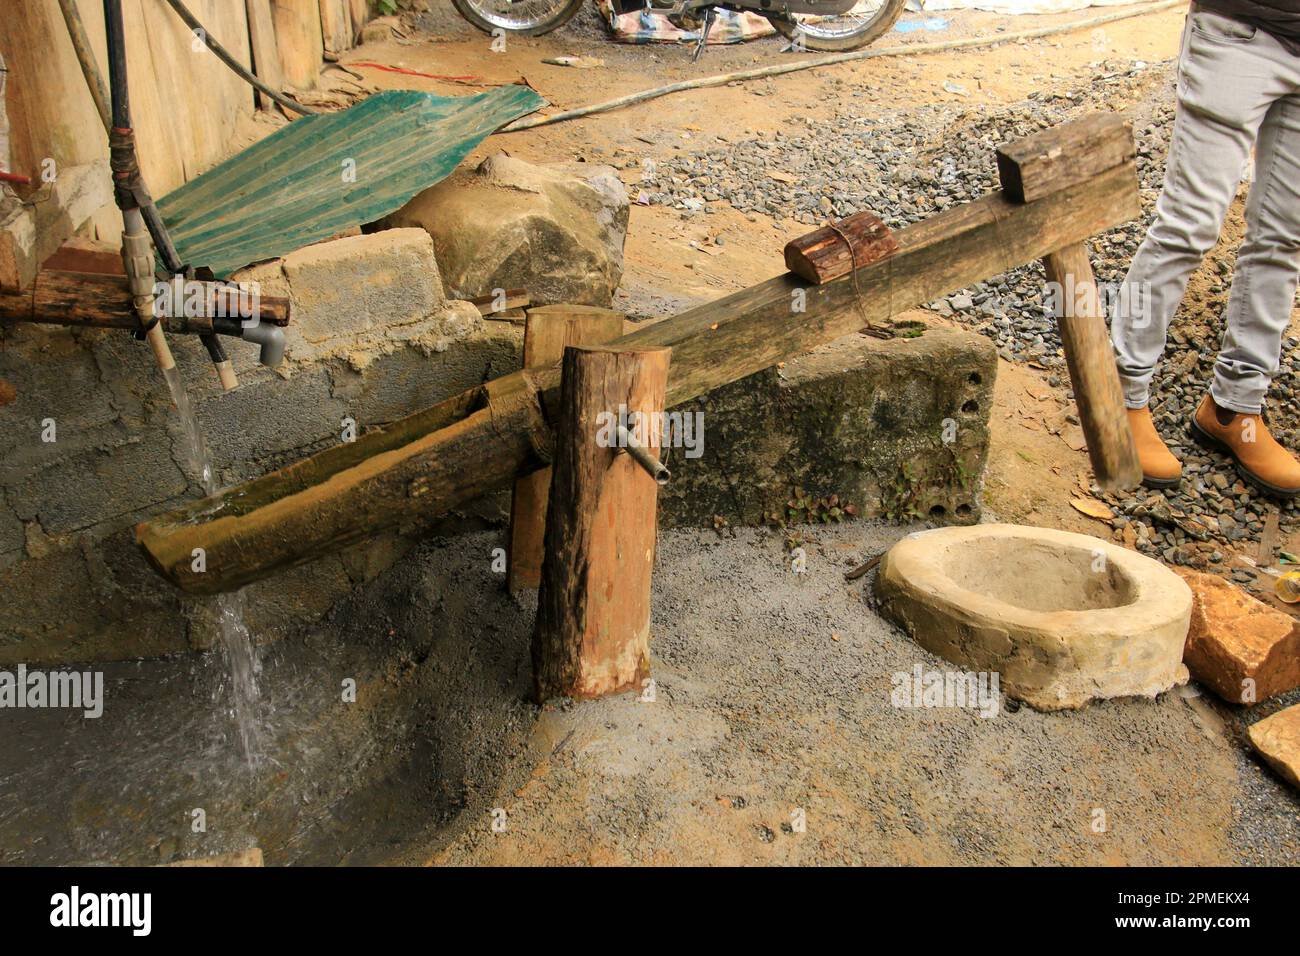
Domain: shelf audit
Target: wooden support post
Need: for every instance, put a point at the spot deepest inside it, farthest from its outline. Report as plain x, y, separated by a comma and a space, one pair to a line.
1093, 376
1037, 168
548, 330
592, 635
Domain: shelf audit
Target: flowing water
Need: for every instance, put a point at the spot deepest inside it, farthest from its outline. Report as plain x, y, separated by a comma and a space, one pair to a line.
242, 662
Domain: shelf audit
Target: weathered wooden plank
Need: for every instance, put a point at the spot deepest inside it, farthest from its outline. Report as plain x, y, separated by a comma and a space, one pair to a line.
336, 25
103, 300
592, 633
266, 54
1063, 155
299, 40
360, 11
548, 331
1093, 376
323, 503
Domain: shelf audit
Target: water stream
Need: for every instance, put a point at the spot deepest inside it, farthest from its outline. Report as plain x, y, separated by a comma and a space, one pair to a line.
242, 662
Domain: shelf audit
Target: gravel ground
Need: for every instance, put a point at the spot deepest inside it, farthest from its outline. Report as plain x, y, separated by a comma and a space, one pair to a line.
773, 694
906, 165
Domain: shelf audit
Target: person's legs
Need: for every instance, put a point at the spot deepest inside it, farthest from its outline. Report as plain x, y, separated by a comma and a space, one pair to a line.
1268, 264
1228, 77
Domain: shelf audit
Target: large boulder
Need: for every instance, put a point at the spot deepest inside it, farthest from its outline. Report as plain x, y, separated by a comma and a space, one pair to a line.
555, 230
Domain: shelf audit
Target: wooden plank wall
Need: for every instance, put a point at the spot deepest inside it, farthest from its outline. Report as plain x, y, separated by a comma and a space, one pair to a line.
185, 103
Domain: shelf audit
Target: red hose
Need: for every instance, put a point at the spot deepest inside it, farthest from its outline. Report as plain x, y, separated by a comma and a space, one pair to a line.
398, 69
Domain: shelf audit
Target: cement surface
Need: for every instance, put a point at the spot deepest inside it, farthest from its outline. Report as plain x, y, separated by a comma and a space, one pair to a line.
1063, 618
775, 692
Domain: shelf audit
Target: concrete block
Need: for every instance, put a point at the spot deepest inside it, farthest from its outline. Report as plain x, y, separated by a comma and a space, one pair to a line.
264, 423
897, 428
87, 599
1239, 647
348, 287
90, 486
11, 530
76, 396
407, 379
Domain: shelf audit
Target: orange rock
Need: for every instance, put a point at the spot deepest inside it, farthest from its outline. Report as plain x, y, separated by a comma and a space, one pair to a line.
1239, 647
1277, 739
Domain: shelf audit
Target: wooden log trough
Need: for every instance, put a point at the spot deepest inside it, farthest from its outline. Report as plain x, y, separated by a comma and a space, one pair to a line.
413, 470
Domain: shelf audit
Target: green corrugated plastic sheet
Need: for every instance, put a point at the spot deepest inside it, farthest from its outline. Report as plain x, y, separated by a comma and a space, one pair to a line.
290, 189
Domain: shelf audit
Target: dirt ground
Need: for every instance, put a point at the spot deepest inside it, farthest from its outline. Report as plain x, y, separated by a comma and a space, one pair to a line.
772, 695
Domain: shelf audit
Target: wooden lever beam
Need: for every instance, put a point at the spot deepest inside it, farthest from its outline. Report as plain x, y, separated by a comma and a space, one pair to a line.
428, 463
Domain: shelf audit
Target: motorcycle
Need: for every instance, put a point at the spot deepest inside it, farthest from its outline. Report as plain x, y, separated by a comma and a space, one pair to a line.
823, 25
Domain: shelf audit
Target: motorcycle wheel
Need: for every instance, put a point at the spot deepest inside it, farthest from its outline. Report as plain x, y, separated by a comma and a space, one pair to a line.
527, 18
847, 31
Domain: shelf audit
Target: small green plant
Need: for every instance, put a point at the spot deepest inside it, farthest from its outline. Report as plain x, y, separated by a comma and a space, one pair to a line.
386, 8
802, 508
898, 497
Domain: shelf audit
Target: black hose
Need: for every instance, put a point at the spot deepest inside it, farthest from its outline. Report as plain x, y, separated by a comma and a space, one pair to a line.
134, 193
115, 33
162, 241
201, 31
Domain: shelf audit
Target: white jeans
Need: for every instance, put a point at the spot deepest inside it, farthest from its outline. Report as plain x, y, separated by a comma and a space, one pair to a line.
1237, 86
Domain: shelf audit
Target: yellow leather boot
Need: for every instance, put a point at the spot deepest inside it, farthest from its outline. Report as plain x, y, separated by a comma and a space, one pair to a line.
1260, 459
1160, 469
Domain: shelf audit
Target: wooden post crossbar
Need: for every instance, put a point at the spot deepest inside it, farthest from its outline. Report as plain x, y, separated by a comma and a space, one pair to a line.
416, 469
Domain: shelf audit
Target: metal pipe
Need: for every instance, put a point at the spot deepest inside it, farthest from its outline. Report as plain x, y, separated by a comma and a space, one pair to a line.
119, 96
655, 468
4, 118
137, 254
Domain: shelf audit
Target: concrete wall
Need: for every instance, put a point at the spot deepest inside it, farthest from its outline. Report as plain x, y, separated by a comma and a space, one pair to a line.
371, 339
896, 428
